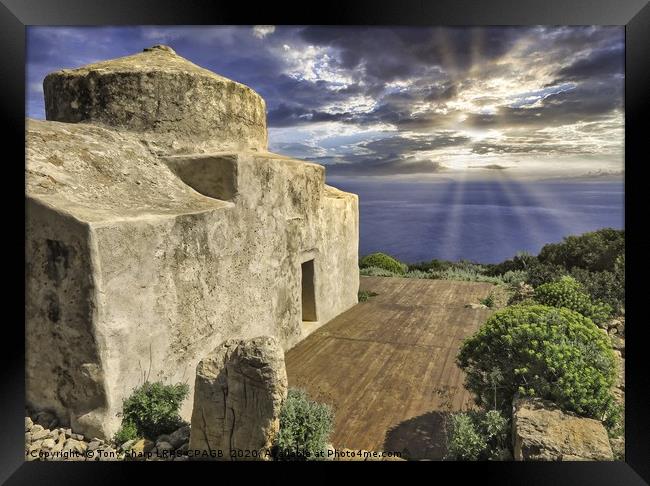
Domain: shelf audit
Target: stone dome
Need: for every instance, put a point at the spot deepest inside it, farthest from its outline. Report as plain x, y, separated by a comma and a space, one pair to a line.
178, 107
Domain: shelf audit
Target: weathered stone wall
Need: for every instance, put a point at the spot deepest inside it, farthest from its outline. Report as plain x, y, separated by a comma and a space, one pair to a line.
63, 367
178, 254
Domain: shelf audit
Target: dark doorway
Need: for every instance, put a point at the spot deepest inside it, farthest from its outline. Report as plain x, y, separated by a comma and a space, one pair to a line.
308, 294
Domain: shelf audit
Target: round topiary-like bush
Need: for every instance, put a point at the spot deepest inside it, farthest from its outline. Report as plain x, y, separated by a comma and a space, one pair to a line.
536, 350
568, 292
386, 262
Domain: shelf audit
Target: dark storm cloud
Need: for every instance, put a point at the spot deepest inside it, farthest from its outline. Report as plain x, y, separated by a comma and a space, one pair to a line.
591, 100
392, 155
389, 167
398, 52
489, 167
403, 81
596, 63
398, 145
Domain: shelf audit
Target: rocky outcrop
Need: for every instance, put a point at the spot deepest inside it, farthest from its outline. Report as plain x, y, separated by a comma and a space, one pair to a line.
51, 443
543, 432
239, 391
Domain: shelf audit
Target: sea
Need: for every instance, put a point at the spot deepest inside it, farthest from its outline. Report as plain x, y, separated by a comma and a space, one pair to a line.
481, 221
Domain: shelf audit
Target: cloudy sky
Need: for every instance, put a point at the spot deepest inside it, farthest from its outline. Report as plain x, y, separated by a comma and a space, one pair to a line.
401, 101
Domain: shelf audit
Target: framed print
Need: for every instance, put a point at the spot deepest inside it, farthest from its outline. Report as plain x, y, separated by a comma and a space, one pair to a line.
366, 232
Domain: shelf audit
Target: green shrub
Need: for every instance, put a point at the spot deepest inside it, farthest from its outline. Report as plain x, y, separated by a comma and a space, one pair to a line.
465, 274
153, 408
488, 301
594, 251
381, 260
514, 277
365, 295
522, 261
535, 350
477, 436
305, 427
568, 292
541, 273
432, 265
605, 286
128, 431
465, 443
378, 272
417, 274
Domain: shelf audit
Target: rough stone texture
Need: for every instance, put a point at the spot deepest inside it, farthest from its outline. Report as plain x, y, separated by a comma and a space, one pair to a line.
42, 444
176, 106
542, 432
141, 263
240, 388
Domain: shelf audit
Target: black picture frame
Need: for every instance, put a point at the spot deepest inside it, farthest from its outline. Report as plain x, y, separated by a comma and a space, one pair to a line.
15, 15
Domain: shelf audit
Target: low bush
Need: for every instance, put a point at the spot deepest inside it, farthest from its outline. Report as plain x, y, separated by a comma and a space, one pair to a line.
464, 442
541, 273
514, 277
547, 352
417, 274
605, 286
488, 301
475, 436
364, 295
378, 272
386, 262
522, 261
305, 427
568, 292
432, 265
153, 409
128, 431
465, 274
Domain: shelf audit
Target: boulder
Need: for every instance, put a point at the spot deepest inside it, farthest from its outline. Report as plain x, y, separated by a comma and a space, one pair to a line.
472, 305
179, 437
239, 391
543, 432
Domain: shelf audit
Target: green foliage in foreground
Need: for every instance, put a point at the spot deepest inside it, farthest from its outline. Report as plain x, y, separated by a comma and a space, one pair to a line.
567, 292
474, 436
364, 295
305, 427
383, 261
535, 350
152, 409
128, 431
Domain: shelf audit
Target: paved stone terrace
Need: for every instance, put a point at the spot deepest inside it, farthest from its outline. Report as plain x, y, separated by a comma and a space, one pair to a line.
387, 365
